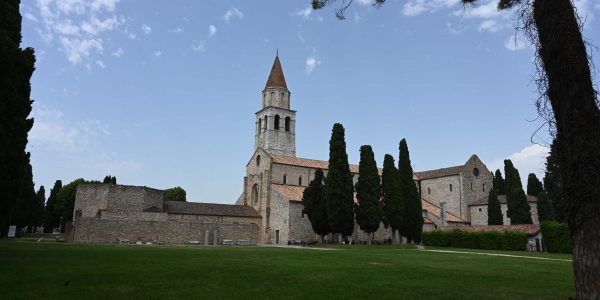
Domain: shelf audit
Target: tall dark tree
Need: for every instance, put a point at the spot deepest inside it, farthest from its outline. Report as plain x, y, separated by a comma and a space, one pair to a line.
553, 185
175, 194
368, 192
15, 106
40, 203
313, 200
499, 183
544, 208
51, 217
65, 201
534, 185
413, 210
110, 179
519, 210
339, 192
570, 104
393, 208
25, 208
494, 209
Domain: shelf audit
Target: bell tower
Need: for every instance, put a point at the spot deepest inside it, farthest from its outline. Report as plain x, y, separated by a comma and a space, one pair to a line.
276, 122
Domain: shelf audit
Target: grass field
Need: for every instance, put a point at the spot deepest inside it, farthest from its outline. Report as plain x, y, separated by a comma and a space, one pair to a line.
50, 270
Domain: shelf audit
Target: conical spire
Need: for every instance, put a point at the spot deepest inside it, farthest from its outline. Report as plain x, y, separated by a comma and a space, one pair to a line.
276, 78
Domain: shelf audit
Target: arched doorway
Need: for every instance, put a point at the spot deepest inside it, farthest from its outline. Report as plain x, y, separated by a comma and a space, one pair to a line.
254, 195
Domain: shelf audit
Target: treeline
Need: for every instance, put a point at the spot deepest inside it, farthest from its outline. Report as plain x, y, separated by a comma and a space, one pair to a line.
392, 200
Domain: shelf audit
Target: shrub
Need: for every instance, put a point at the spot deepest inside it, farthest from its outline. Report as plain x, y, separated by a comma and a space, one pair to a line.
491, 240
557, 238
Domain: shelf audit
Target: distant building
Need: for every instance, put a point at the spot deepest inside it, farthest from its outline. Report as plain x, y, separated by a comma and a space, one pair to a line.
479, 216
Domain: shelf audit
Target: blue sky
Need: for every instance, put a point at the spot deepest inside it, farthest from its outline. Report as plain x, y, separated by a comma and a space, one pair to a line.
165, 95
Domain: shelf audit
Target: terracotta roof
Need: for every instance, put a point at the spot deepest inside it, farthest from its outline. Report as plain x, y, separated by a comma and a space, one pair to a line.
210, 209
310, 163
435, 210
529, 229
426, 220
501, 199
294, 192
439, 172
276, 78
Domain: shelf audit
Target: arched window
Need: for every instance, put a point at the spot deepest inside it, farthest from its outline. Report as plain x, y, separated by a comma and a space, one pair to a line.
451, 187
282, 96
266, 123
428, 190
284, 179
254, 197
259, 125
287, 124
484, 187
258, 160
276, 124
300, 180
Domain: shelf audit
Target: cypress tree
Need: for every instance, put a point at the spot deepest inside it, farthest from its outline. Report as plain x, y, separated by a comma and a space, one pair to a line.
494, 209
544, 208
499, 184
339, 192
66, 201
313, 199
25, 208
368, 192
553, 185
534, 185
40, 201
51, 217
413, 211
516, 200
393, 212
15, 106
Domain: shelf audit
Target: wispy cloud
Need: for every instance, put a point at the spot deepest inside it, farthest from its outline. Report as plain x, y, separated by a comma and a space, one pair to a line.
456, 29
176, 30
531, 159
52, 130
232, 13
158, 53
212, 30
198, 47
515, 42
490, 26
146, 29
101, 64
307, 14
311, 64
77, 25
118, 53
417, 7
111, 163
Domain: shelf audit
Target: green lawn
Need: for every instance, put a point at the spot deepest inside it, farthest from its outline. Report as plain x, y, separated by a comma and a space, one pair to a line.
50, 270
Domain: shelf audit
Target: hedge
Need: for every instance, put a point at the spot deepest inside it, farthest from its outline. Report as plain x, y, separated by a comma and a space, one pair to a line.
489, 240
557, 238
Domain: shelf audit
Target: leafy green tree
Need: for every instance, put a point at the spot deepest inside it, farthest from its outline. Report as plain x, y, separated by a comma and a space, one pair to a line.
393, 207
368, 192
494, 209
65, 201
110, 179
175, 194
51, 217
413, 210
534, 185
519, 210
569, 103
17, 66
339, 192
499, 184
544, 208
313, 199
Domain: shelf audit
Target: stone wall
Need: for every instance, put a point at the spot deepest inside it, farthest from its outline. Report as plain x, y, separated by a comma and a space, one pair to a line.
91, 198
280, 207
437, 190
479, 214
300, 227
97, 230
475, 187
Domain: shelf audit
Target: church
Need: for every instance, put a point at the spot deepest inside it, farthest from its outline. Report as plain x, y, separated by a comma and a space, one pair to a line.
276, 178
269, 210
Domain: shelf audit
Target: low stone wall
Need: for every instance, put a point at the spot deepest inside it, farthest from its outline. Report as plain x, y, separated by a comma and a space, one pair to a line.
97, 230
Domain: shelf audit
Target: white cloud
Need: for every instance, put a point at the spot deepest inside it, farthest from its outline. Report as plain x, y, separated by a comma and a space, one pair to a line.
146, 29
101, 64
158, 53
531, 159
51, 130
490, 26
304, 13
515, 42
30, 17
198, 48
485, 11
311, 64
365, 2
212, 30
417, 7
118, 53
232, 12
77, 24
456, 29
176, 30
584, 10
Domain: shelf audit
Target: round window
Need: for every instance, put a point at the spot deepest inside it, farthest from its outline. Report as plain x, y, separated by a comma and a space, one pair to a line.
476, 172
258, 160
